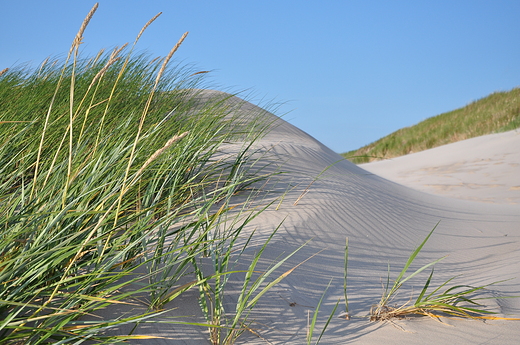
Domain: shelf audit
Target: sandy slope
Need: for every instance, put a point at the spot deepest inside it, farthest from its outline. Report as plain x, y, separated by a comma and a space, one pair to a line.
485, 169
384, 221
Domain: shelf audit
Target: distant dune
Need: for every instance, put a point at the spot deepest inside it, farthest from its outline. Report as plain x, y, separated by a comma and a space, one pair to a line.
497, 112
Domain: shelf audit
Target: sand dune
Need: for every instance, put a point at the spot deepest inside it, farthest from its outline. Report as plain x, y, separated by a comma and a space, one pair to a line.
384, 222
485, 169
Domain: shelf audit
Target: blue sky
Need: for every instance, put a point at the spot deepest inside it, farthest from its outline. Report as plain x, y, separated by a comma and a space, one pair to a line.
347, 72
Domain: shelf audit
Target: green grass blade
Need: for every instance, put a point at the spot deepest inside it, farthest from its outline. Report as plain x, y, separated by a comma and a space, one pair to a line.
414, 254
315, 315
423, 291
328, 321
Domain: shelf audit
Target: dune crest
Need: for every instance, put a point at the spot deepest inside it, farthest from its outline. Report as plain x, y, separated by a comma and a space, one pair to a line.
384, 222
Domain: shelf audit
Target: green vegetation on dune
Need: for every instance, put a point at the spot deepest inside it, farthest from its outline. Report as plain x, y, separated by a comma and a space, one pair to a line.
113, 189
123, 185
497, 112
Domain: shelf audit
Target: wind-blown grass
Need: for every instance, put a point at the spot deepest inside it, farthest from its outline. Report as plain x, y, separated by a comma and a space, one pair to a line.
111, 165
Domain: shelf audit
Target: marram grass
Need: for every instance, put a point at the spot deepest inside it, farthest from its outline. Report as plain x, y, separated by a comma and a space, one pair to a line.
109, 166
457, 301
113, 189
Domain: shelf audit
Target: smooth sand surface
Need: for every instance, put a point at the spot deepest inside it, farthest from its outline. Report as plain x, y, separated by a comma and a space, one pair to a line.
485, 169
384, 222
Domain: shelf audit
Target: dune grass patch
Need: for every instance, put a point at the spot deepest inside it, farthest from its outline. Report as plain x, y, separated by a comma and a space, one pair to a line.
460, 301
497, 112
113, 184
457, 301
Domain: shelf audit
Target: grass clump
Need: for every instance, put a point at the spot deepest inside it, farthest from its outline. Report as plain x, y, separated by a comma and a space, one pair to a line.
112, 183
497, 112
454, 301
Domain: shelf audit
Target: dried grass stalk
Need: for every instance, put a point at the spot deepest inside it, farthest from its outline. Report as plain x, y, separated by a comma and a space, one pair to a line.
157, 153
169, 56
147, 25
4, 71
79, 35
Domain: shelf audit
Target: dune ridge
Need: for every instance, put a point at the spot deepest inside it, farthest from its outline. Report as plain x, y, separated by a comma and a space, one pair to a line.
384, 222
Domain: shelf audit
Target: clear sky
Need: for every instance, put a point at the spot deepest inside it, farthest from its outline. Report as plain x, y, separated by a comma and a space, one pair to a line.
348, 72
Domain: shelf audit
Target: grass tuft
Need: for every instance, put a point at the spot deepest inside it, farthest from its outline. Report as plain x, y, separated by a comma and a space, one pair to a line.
454, 301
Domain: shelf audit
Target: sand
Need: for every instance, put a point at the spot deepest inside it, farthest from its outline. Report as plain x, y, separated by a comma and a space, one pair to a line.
484, 169
384, 222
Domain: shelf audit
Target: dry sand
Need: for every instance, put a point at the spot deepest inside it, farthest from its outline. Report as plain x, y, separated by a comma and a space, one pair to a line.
485, 169
384, 222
